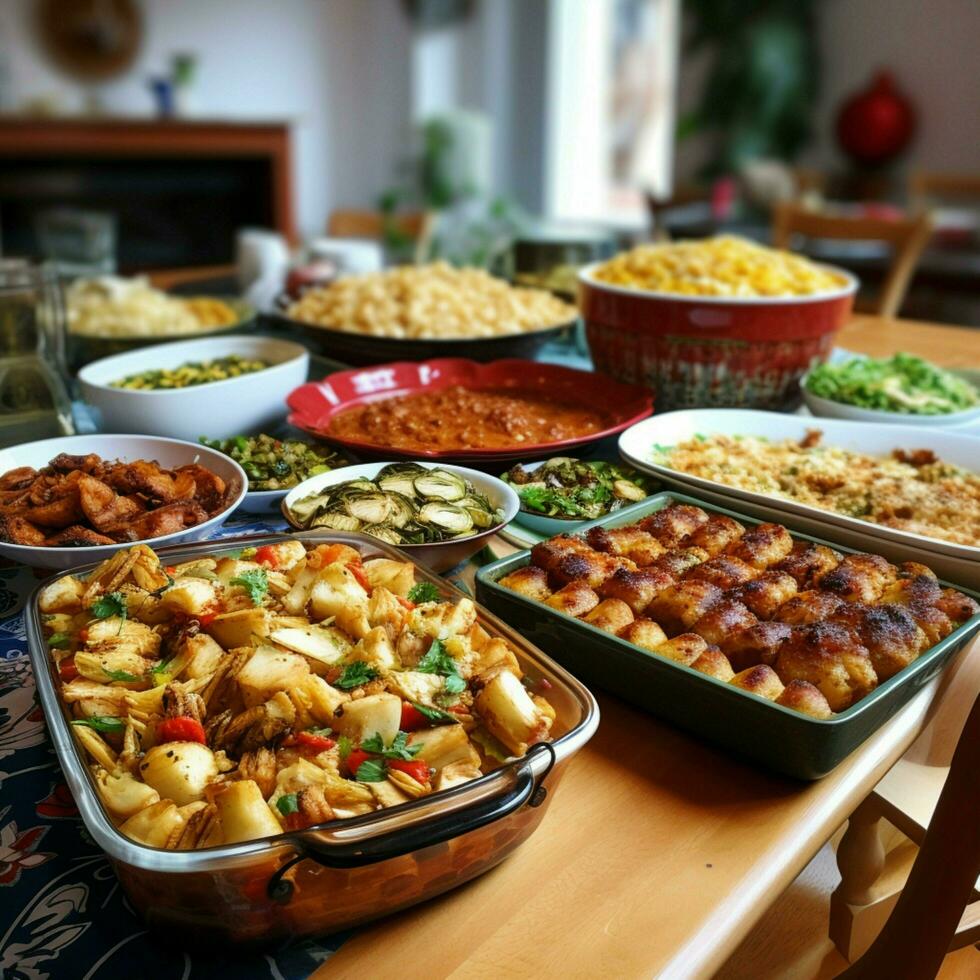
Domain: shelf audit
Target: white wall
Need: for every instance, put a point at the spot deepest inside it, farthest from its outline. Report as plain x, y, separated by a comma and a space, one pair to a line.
339, 70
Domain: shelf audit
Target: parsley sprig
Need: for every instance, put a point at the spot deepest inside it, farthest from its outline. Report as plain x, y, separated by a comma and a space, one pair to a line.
256, 582
102, 723
121, 675
423, 592
438, 661
355, 674
376, 770
59, 641
436, 715
113, 604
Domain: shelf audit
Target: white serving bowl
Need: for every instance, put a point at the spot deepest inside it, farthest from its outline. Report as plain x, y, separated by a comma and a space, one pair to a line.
218, 410
829, 409
540, 523
439, 556
167, 452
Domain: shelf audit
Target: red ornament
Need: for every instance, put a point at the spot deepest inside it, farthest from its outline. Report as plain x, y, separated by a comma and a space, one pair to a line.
875, 125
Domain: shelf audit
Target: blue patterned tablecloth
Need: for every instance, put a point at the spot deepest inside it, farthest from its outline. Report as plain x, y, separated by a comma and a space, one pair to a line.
62, 912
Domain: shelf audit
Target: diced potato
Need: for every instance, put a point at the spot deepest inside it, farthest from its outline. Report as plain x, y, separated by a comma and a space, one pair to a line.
190, 596
324, 700
122, 634
204, 655
376, 649
385, 610
460, 618
122, 795
179, 771
298, 776
99, 665
279, 583
296, 598
320, 643
270, 670
509, 713
398, 576
154, 824
413, 685
494, 655
336, 592
82, 689
62, 596
375, 714
245, 627
244, 813
285, 554
387, 793
228, 568
454, 774
444, 745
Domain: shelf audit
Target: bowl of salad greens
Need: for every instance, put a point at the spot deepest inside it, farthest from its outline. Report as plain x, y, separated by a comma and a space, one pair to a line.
900, 389
558, 493
274, 466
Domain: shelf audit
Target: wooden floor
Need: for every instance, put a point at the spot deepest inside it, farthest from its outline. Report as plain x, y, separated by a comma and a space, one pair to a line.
790, 942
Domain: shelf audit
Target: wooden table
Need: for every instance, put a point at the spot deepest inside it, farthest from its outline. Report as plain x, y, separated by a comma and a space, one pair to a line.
659, 853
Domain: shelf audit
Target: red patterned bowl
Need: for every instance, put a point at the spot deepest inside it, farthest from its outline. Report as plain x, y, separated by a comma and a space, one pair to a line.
314, 405
711, 351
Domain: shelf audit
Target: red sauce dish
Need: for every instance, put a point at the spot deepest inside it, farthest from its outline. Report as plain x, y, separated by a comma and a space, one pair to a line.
316, 405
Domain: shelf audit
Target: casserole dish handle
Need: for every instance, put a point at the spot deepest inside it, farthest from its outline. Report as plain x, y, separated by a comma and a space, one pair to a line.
525, 789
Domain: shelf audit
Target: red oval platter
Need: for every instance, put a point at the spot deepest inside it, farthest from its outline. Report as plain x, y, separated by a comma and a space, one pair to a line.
315, 404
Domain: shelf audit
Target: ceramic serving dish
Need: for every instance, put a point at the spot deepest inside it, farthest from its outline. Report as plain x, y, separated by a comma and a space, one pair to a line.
779, 738
219, 409
440, 556
337, 874
167, 452
959, 561
711, 350
315, 405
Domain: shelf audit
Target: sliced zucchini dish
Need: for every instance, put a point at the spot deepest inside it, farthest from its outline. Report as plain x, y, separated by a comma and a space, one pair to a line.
404, 504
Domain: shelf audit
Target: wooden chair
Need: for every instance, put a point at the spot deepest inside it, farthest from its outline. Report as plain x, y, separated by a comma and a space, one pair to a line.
907, 239
926, 188
939, 807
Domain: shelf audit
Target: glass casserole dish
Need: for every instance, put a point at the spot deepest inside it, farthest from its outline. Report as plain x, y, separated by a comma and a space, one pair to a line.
344, 872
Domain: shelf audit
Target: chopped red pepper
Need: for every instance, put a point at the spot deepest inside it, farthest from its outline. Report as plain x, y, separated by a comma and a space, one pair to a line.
67, 669
309, 740
83, 635
208, 617
324, 555
417, 769
170, 569
181, 729
295, 821
355, 759
267, 555
412, 718
406, 603
358, 572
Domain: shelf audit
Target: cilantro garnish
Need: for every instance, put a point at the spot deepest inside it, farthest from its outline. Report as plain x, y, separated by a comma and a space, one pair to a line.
113, 604
287, 804
103, 723
399, 748
120, 675
372, 771
256, 582
433, 714
423, 592
161, 668
322, 732
344, 747
439, 661
59, 640
355, 674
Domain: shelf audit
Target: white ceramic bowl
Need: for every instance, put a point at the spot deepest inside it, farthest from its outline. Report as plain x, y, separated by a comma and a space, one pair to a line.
547, 526
167, 452
218, 410
440, 556
829, 409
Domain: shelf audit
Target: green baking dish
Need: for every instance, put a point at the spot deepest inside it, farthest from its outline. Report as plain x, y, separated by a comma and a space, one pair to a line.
779, 738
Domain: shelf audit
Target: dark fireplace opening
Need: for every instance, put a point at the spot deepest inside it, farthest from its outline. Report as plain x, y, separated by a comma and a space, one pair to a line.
170, 213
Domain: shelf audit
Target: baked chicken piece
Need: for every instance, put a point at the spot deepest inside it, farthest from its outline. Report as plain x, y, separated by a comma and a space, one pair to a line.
685, 649
678, 562
724, 571
19, 530
762, 546
722, 619
529, 581
802, 696
890, 633
832, 658
807, 561
715, 535
672, 524
766, 593
574, 599
758, 644
859, 578
957, 606
810, 606
760, 680
715, 664
636, 588
566, 558
611, 615
680, 606
623, 540
645, 633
